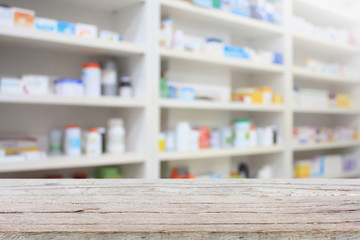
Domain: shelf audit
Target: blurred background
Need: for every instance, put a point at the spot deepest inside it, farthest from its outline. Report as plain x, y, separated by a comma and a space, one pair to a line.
179, 89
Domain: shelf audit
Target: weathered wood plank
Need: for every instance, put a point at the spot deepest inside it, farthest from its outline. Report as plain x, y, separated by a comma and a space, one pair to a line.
179, 209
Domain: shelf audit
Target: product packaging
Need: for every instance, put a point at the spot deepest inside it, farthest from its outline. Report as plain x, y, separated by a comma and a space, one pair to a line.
110, 36
6, 16
46, 24
66, 28
24, 17
35, 84
11, 86
86, 30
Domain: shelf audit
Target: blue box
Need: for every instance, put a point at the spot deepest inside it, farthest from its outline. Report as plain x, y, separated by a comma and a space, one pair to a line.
67, 28
278, 58
240, 7
258, 12
187, 94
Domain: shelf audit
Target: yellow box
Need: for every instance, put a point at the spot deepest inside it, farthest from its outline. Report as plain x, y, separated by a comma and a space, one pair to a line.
343, 101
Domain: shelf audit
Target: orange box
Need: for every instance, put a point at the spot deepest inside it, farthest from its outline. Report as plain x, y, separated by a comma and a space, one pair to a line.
24, 17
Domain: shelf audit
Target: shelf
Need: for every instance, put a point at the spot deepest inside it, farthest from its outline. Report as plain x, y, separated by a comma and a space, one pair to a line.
53, 163
108, 5
348, 175
237, 24
72, 101
326, 111
238, 64
210, 105
305, 74
324, 146
219, 153
58, 42
324, 14
317, 45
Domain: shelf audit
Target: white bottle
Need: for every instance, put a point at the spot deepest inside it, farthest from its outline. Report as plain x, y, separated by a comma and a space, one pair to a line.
194, 140
91, 76
170, 141
93, 142
183, 136
72, 140
115, 136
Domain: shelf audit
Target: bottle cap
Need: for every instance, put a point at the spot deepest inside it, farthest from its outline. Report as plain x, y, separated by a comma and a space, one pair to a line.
91, 65
244, 120
93, 130
72, 126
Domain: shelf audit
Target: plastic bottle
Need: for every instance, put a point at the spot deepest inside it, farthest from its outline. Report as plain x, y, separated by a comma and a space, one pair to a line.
226, 137
125, 87
244, 170
72, 140
195, 140
170, 141
162, 142
253, 137
55, 142
242, 132
93, 142
215, 139
109, 79
91, 76
183, 135
115, 136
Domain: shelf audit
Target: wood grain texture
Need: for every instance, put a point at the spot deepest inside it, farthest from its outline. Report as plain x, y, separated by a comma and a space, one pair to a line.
179, 209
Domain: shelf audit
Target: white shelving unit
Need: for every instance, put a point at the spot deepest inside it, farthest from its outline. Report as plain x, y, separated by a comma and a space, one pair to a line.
146, 115
72, 101
29, 51
72, 162
322, 146
214, 153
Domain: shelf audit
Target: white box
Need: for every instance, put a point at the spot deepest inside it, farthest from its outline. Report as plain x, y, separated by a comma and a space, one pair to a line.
6, 16
110, 36
35, 84
11, 86
86, 30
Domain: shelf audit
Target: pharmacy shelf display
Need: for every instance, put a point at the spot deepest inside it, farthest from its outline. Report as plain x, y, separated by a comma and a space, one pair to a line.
263, 58
336, 72
55, 48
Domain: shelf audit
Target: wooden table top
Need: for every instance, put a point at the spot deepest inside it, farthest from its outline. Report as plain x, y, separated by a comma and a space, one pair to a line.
179, 209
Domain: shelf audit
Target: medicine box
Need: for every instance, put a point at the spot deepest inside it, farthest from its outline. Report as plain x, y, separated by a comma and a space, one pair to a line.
34, 84
110, 36
240, 7
6, 16
67, 28
11, 86
204, 3
312, 98
86, 30
45, 24
24, 17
